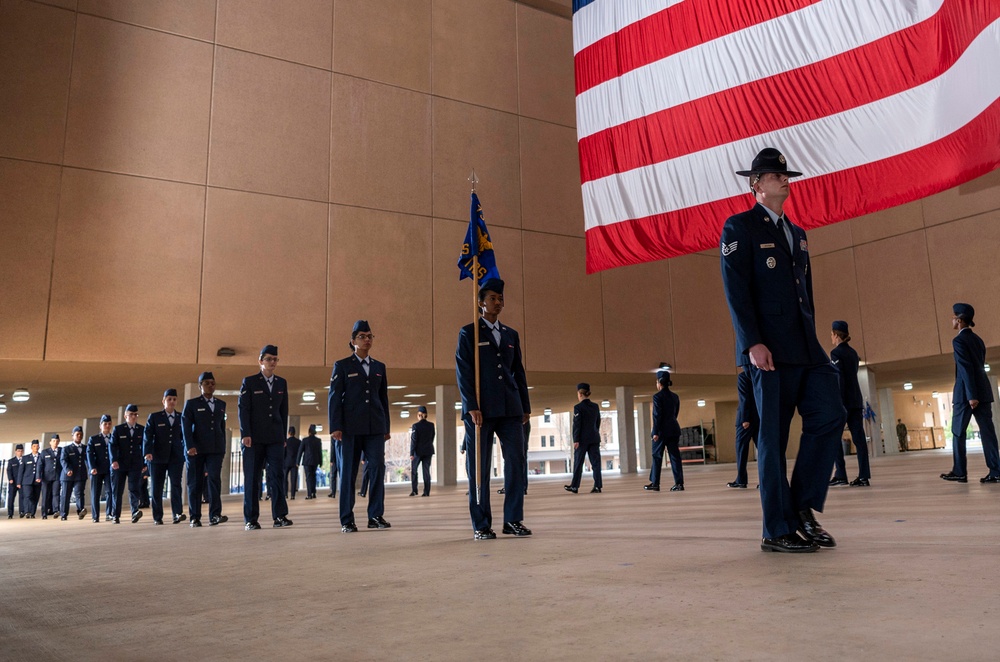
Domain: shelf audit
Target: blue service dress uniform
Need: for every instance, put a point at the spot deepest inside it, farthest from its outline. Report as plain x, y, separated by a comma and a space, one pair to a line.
768, 285
422, 452
746, 412
972, 383
49, 470
264, 418
503, 402
292, 447
126, 449
587, 433
359, 409
310, 456
203, 427
666, 406
163, 438
99, 466
13, 465
29, 479
73, 460
847, 362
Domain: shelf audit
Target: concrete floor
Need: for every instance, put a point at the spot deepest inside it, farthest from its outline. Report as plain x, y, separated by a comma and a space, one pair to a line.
621, 575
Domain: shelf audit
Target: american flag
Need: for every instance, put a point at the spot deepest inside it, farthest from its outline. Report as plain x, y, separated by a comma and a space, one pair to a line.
878, 102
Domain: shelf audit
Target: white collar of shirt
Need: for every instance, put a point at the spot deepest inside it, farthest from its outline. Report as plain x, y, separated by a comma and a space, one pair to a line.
364, 361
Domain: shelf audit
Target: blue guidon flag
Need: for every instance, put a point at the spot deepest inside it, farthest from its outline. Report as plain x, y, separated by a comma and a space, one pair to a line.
877, 102
477, 242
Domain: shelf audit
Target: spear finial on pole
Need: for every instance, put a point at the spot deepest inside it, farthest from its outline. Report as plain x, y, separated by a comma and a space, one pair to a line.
473, 180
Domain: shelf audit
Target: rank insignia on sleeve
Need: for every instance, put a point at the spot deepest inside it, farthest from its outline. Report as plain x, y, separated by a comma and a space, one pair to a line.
729, 249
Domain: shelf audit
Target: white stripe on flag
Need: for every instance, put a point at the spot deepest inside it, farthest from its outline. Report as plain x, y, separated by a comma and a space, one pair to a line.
791, 41
606, 17
869, 133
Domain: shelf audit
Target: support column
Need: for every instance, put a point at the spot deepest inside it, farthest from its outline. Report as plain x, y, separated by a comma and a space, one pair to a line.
645, 424
625, 402
887, 412
293, 422
91, 426
446, 436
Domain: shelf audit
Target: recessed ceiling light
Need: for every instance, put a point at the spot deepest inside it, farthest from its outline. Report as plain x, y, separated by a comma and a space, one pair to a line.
908, 386
401, 403
395, 388
414, 395
606, 403
405, 413
701, 403
309, 396
21, 395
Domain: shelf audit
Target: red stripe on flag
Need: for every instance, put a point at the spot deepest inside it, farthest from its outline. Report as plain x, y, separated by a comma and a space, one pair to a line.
671, 31
875, 71
970, 152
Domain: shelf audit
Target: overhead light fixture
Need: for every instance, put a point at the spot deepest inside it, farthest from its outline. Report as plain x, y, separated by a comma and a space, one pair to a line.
664, 366
394, 388
908, 386
401, 403
309, 396
431, 404
531, 388
415, 395
701, 403
226, 351
405, 413
319, 428
458, 405
547, 412
21, 395
605, 403
986, 367
3, 407
935, 394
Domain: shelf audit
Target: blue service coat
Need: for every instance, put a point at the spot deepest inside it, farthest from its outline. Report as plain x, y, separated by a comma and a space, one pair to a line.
204, 429
292, 446
769, 289
422, 439
49, 464
311, 452
126, 447
359, 403
263, 412
98, 455
847, 361
28, 471
586, 423
13, 465
503, 384
666, 406
73, 458
971, 382
165, 442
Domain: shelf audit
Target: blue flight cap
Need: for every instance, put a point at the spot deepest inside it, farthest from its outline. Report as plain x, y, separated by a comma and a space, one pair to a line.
422, 409
205, 375
492, 285
965, 311
841, 325
269, 349
583, 386
169, 392
78, 428
105, 418
132, 408
361, 326
19, 447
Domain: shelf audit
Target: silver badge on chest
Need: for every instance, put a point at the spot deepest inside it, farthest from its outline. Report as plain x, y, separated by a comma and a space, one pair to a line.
771, 263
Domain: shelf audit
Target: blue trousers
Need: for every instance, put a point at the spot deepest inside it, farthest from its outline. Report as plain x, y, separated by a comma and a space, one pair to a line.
158, 474
593, 453
743, 439
349, 450
118, 477
98, 483
29, 493
961, 415
423, 461
672, 447
50, 497
815, 392
258, 457
855, 423
78, 489
510, 431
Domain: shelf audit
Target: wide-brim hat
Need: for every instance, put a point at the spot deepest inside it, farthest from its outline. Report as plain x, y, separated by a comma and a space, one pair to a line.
768, 160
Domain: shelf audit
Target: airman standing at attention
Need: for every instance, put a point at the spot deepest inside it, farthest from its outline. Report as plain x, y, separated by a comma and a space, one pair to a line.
768, 283
291, 463
847, 361
359, 423
666, 434
586, 439
310, 457
421, 450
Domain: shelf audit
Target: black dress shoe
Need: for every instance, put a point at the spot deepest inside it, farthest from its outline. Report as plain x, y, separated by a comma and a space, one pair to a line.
737, 484
362, 494
678, 487
109, 518
179, 518
651, 486
596, 490
82, 513
12, 517
332, 496
861, 482
413, 494
249, 526
349, 528
282, 522
158, 522
118, 520
63, 518
378, 523
195, 524
20, 516
136, 516
787, 543
516, 529
570, 488
423, 495
485, 534
502, 490
811, 530
837, 481
216, 521
45, 516
955, 477
990, 479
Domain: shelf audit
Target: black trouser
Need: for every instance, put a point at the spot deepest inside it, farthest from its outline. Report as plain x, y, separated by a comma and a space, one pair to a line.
77, 488
310, 470
425, 462
292, 480
334, 473
672, 446
98, 482
50, 497
159, 473
256, 459
118, 477
29, 498
592, 452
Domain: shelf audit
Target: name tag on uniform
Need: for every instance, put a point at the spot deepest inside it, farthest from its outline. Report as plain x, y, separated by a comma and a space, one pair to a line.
257, 392
161, 425
767, 245
352, 374
484, 344
201, 409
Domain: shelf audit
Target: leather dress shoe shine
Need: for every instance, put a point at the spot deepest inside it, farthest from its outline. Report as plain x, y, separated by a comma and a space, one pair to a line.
861, 482
349, 528
216, 521
158, 522
378, 523
596, 490
651, 486
789, 542
516, 529
737, 484
570, 488
82, 513
990, 479
136, 516
282, 522
955, 477
249, 526
485, 534
195, 524
677, 487
837, 481
502, 490
811, 529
